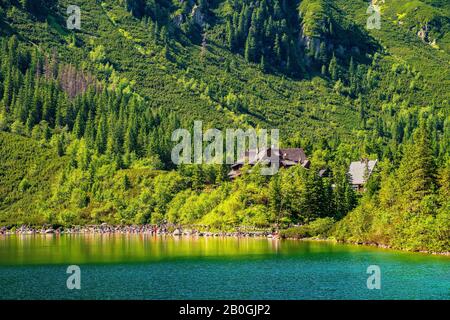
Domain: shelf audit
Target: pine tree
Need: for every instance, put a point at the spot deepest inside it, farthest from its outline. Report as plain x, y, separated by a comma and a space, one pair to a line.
313, 197
277, 49
101, 136
250, 46
60, 145
344, 195
263, 64
352, 76
323, 56
417, 171
130, 141
230, 35
78, 128
89, 132
332, 68
444, 182
83, 156
126, 183
7, 90
221, 173
198, 178
276, 199
242, 25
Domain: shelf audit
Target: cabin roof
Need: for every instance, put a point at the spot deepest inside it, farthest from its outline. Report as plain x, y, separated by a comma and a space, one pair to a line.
358, 169
287, 157
293, 154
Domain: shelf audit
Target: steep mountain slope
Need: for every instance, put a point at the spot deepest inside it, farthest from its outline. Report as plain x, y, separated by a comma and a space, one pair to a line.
401, 22
104, 100
267, 99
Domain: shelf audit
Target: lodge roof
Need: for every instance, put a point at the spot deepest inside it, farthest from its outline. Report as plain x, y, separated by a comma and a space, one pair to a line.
287, 156
293, 154
358, 170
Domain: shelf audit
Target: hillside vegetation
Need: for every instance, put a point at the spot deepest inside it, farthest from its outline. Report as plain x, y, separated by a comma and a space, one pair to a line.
86, 116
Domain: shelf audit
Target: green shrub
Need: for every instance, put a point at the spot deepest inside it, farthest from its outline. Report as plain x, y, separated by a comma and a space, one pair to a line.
317, 228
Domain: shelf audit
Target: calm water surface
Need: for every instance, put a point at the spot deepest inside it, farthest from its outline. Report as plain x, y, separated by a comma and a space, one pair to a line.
148, 267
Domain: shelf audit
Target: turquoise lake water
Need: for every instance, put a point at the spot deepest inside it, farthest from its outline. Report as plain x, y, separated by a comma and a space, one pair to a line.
149, 267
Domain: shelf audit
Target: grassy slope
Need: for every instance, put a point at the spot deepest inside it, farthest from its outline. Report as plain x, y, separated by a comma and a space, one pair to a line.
274, 100
23, 158
26, 159
307, 106
402, 45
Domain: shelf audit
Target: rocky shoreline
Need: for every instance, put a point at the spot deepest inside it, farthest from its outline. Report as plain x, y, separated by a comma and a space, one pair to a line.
371, 244
170, 230
384, 246
132, 229
379, 245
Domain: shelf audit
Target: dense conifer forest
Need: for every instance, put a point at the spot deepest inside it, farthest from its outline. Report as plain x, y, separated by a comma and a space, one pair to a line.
86, 116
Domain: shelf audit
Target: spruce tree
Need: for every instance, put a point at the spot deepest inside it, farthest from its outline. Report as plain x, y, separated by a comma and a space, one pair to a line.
417, 171
332, 68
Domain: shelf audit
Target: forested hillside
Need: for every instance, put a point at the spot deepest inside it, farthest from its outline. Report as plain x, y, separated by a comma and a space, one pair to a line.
86, 116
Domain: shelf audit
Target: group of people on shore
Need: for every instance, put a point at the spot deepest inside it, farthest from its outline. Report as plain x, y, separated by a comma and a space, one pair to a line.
131, 229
